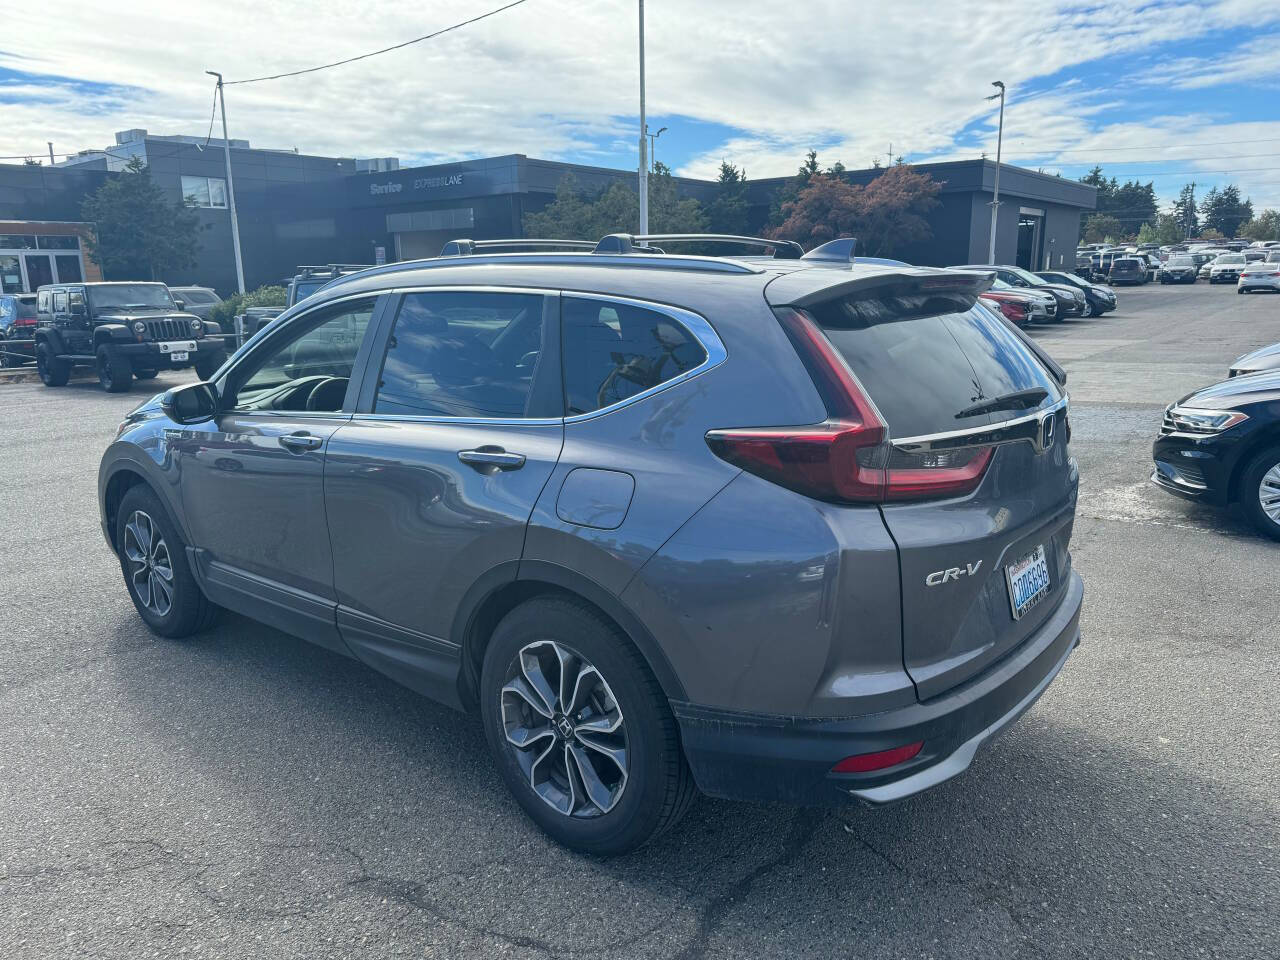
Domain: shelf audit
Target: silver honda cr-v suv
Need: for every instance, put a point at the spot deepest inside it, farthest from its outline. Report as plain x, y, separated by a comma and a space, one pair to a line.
787, 528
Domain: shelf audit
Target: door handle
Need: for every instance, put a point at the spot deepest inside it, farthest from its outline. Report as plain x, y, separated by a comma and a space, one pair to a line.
301, 442
491, 456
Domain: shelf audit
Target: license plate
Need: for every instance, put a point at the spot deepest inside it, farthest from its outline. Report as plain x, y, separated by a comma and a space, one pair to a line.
180, 355
176, 346
1028, 579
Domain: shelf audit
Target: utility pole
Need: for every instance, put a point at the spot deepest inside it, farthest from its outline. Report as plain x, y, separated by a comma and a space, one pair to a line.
644, 143
50, 142
889, 162
231, 187
995, 201
653, 146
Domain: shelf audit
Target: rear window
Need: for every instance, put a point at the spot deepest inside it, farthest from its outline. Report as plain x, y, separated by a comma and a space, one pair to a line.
925, 359
26, 308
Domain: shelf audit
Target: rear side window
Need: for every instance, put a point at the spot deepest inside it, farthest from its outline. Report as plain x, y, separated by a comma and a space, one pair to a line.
925, 359
462, 354
613, 351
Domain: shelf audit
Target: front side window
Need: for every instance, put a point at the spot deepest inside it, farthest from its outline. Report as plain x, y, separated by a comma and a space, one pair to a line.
462, 354
42, 303
613, 351
60, 301
307, 366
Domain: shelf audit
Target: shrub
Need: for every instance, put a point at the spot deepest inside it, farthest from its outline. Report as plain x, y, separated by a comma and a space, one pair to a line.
224, 313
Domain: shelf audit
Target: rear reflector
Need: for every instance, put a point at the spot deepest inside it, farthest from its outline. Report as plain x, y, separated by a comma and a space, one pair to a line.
847, 457
866, 762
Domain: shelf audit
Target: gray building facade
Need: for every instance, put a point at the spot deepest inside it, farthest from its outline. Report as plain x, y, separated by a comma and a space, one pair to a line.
296, 208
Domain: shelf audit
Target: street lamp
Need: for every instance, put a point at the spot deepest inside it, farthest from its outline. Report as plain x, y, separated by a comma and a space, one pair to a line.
644, 129
995, 201
653, 146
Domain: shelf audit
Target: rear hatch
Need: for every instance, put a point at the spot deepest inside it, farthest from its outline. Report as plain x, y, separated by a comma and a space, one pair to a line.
980, 491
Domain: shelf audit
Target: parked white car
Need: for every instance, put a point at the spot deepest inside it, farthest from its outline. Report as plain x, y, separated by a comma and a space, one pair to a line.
1259, 276
1227, 268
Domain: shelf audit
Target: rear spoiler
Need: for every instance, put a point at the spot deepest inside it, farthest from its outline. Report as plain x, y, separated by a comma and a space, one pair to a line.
804, 288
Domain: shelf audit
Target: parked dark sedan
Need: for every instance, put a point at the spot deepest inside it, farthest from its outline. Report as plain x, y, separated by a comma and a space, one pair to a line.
1221, 445
1098, 299
1260, 361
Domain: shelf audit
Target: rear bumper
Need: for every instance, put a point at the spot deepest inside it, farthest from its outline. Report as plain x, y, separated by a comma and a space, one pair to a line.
756, 757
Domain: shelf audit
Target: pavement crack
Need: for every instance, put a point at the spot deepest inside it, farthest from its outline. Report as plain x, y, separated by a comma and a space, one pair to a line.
712, 916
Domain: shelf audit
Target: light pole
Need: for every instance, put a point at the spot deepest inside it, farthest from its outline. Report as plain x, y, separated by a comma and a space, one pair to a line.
644, 128
995, 202
653, 146
231, 187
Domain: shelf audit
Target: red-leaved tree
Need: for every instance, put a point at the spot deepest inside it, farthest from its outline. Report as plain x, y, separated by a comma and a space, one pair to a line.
885, 215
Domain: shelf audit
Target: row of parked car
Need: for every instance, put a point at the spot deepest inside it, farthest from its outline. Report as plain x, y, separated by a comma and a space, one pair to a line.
1255, 267
1024, 297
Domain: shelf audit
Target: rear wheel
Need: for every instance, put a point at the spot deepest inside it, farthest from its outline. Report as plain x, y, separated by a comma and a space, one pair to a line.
580, 730
53, 372
115, 372
153, 559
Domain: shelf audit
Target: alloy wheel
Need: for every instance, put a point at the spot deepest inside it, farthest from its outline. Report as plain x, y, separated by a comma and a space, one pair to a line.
566, 729
1269, 493
150, 567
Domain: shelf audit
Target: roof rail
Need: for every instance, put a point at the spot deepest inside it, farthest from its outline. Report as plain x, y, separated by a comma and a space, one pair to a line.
468, 248
310, 270
641, 243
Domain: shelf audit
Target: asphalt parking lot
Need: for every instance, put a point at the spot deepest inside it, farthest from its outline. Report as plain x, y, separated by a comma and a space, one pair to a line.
247, 795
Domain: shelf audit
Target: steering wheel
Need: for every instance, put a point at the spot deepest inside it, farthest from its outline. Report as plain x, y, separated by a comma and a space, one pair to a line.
327, 395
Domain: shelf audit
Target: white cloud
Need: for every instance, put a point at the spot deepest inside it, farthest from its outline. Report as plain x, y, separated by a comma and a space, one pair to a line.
557, 78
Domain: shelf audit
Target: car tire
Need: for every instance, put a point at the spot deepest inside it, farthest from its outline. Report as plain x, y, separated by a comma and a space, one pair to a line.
146, 537
1088, 311
1264, 468
207, 364
145, 374
626, 806
115, 372
53, 372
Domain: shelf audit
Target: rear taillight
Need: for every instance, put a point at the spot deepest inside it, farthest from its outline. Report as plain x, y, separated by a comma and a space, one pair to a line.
847, 457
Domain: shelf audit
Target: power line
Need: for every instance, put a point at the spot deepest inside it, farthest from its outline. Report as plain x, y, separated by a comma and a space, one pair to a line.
365, 56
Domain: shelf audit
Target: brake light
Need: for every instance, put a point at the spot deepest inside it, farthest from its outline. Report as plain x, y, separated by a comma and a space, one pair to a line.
866, 762
846, 458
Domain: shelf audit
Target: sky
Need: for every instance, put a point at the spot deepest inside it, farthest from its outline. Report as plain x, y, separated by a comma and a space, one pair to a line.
1169, 92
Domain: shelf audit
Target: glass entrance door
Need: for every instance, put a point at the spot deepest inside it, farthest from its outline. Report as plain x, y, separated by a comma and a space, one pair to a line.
1029, 241
39, 270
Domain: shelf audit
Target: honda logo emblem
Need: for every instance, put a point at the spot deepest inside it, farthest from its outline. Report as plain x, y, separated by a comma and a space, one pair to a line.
1047, 426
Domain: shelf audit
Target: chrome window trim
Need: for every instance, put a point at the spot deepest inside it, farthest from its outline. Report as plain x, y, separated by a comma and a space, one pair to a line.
991, 434
697, 326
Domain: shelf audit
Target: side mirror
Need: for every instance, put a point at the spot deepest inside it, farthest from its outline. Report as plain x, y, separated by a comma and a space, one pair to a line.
181, 304
193, 403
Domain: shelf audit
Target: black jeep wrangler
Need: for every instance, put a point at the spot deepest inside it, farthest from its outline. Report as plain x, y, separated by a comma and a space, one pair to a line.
124, 330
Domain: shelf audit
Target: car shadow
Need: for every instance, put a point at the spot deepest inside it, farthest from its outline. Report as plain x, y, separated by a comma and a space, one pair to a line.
1059, 841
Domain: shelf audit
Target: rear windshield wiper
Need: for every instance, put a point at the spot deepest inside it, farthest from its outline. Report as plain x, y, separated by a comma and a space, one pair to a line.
1018, 400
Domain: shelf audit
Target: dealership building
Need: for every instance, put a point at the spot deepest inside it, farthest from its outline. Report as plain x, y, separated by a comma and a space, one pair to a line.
296, 208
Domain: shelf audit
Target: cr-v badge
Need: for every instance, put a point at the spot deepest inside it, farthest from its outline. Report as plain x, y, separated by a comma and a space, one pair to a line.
954, 573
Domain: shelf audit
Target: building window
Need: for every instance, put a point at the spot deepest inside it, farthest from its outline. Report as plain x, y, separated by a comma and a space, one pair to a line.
205, 192
64, 242
17, 241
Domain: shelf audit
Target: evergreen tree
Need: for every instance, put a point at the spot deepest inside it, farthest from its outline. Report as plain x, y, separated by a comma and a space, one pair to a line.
727, 212
138, 233
1184, 211
1224, 211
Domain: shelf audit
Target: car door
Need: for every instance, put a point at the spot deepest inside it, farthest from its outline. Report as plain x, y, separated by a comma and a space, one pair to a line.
253, 478
429, 488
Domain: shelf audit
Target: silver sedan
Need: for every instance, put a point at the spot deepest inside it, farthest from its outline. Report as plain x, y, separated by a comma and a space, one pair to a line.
1259, 276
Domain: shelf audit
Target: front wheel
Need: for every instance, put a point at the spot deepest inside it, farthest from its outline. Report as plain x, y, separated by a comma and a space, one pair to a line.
1088, 310
115, 372
145, 374
580, 730
153, 559
53, 372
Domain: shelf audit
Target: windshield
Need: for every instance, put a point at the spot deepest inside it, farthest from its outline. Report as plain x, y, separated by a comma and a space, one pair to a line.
1181, 262
155, 295
1230, 258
